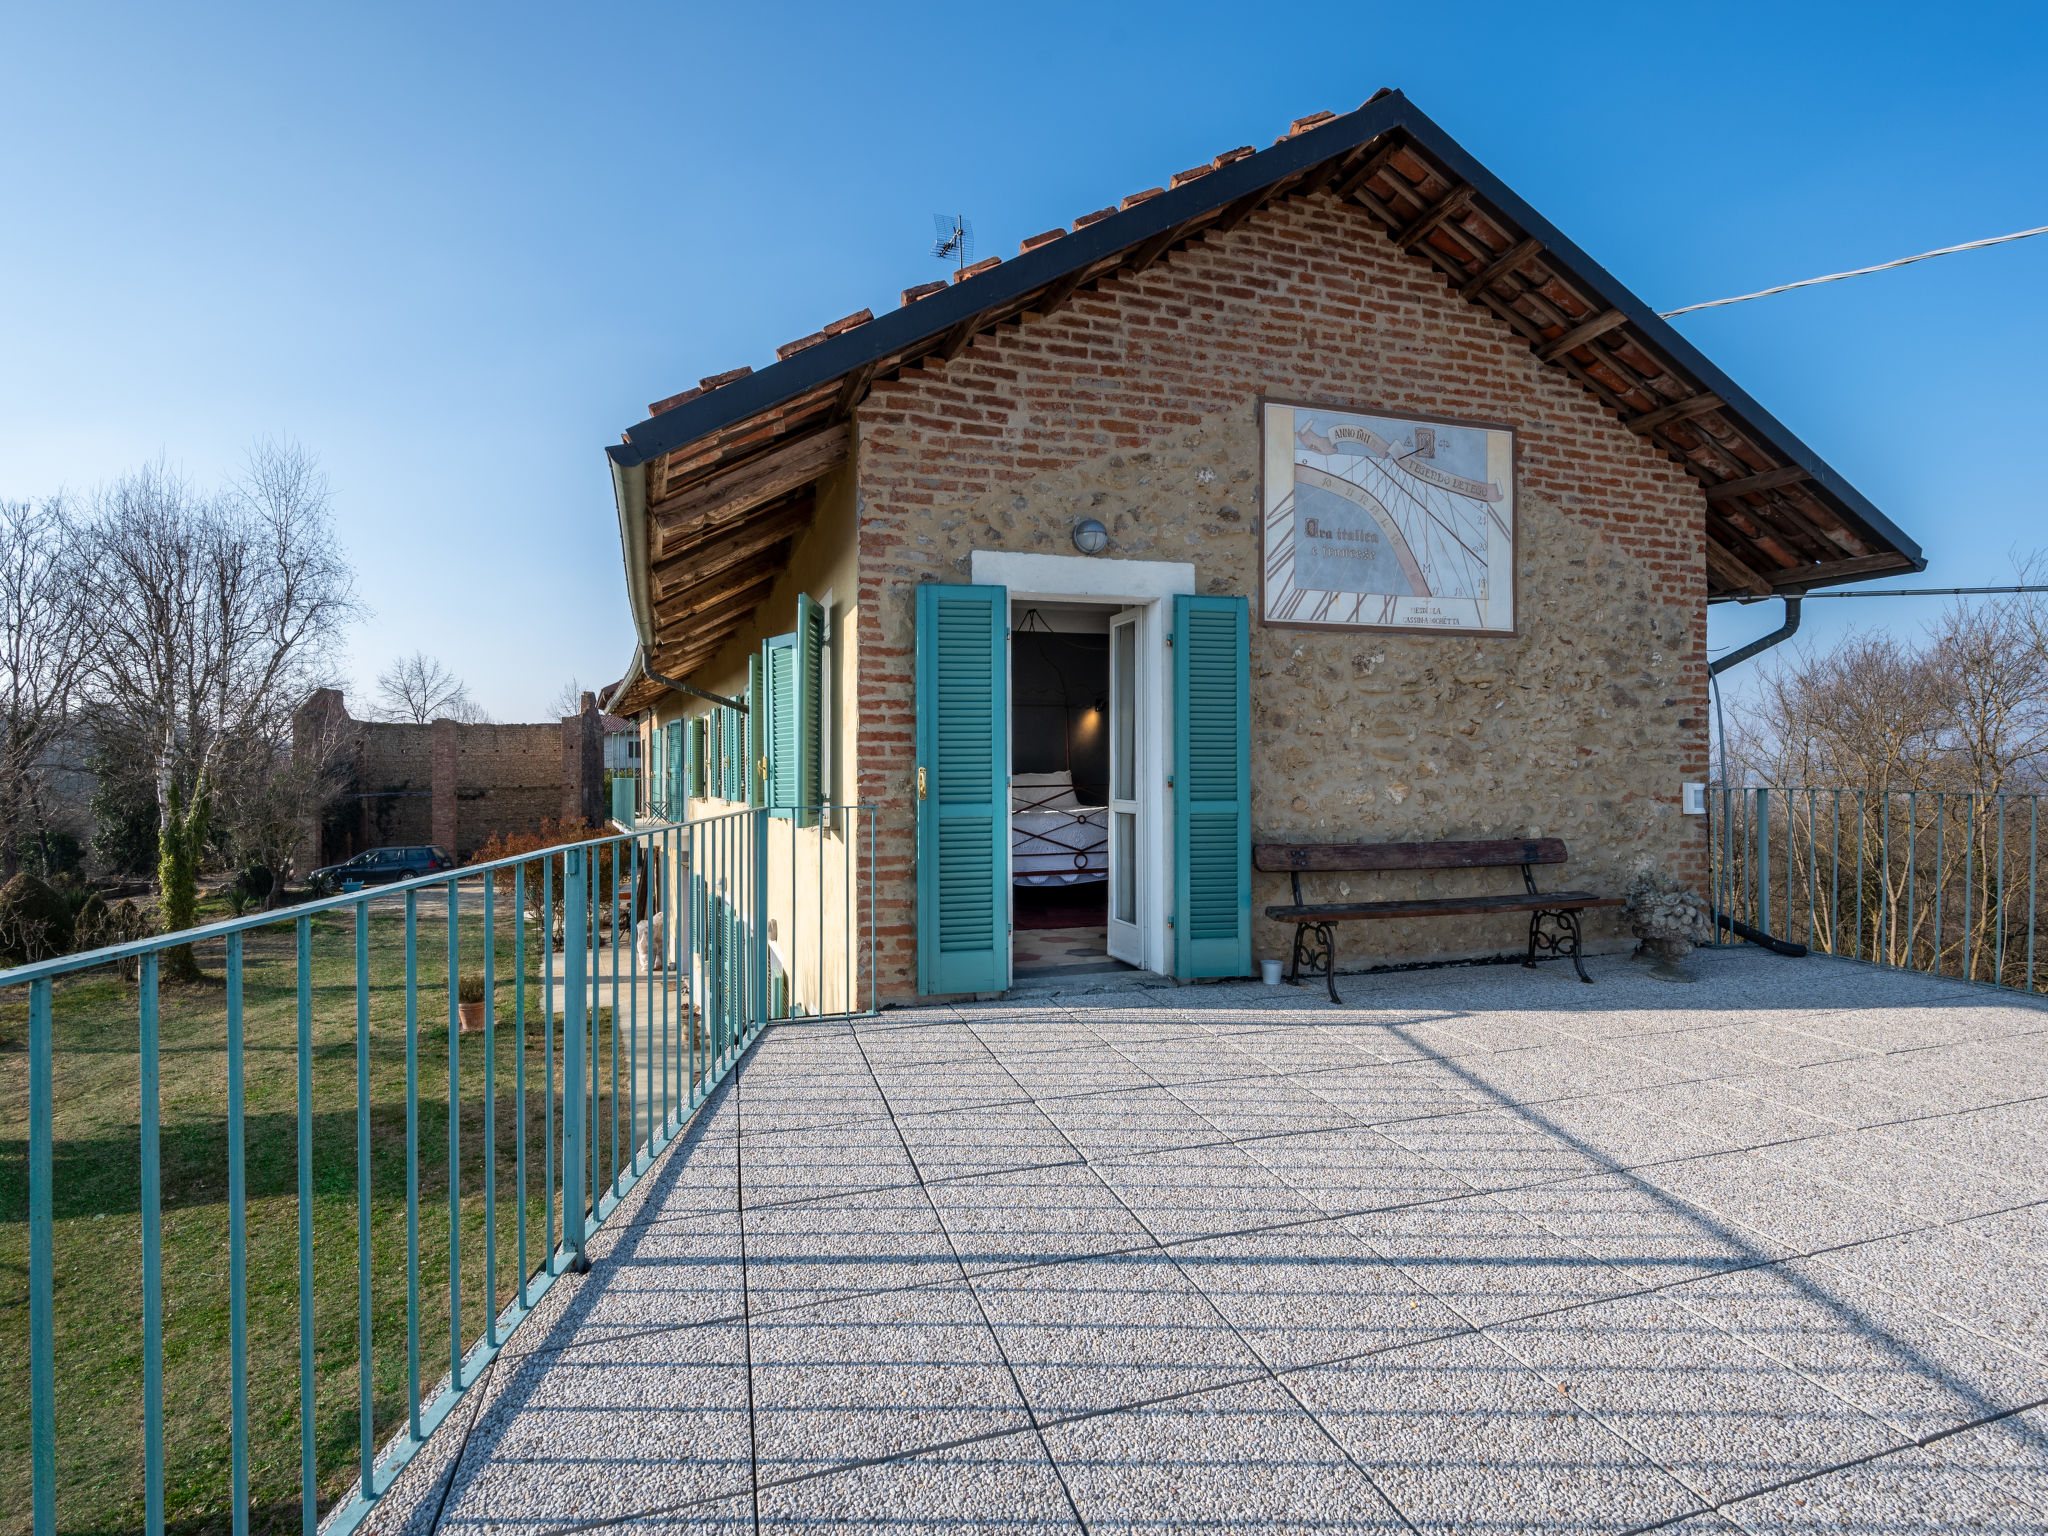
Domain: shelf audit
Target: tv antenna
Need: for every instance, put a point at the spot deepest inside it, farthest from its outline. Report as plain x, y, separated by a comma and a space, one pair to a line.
955, 242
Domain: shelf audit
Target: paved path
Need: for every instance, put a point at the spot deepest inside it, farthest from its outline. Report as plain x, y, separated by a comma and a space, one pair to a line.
1485, 1251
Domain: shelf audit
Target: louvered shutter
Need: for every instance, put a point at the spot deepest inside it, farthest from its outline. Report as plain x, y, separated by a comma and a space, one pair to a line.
778, 669
810, 708
1212, 807
695, 764
963, 758
757, 736
675, 782
657, 778
727, 742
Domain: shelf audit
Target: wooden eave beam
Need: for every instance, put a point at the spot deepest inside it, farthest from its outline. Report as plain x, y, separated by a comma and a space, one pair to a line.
852, 392
1055, 297
717, 588
1374, 164
707, 556
1832, 570
1768, 480
1734, 572
1449, 207
1585, 331
1677, 410
735, 492
725, 615
1499, 267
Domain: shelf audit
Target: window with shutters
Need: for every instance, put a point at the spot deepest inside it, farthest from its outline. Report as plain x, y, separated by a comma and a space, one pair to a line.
695, 764
792, 669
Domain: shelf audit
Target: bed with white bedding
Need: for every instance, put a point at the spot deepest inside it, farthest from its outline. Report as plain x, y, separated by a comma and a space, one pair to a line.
1054, 839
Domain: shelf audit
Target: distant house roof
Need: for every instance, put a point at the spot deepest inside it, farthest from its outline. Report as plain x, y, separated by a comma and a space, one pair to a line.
723, 472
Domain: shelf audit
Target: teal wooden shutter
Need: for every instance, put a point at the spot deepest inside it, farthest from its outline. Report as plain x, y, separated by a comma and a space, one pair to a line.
725, 752
1212, 793
778, 670
757, 736
675, 781
695, 765
657, 777
809, 708
963, 767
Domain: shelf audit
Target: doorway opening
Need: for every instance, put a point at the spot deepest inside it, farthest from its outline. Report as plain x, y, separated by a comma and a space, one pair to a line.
1062, 767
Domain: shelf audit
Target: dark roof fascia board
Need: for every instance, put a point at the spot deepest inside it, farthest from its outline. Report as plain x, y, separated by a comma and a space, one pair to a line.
1655, 328
1007, 284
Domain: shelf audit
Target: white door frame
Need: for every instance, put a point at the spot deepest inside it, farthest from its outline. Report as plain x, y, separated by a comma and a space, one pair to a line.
1142, 584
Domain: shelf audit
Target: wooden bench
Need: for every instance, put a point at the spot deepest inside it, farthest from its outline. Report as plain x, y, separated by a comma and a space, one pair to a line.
1553, 920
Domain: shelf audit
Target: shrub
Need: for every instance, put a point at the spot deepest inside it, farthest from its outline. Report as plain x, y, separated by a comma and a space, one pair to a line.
470, 989
35, 921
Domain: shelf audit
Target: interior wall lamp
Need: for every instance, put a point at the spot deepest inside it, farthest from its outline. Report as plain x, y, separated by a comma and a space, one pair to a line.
1090, 537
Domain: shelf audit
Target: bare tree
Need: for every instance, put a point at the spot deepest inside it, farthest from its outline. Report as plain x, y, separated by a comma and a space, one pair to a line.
214, 615
44, 647
568, 700
418, 688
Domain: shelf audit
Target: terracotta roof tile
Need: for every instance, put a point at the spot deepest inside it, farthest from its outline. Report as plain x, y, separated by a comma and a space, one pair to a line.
842, 326
1313, 120
1192, 173
1093, 218
673, 401
790, 349
718, 379
1033, 242
1231, 155
1145, 196
922, 291
987, 265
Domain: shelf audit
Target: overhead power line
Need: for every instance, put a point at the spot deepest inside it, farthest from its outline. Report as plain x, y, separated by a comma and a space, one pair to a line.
1883, 266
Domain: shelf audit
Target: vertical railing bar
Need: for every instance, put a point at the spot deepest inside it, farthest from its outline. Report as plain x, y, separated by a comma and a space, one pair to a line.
1812, 866
412, 1164
42, 1291
1940, 880
874, 977
574, 1000
238, 1257
1835, 877
490, 1112
519, 1063
1998, 925
366, 1379
454, 899
618, 848
547, 1027
633, 903
152, 1260
1912, 877
309, 1491
1969, 885
1887, 913
2033, 893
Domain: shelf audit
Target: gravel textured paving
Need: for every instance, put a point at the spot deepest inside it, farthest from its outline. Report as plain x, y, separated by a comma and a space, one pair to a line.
1481, 1251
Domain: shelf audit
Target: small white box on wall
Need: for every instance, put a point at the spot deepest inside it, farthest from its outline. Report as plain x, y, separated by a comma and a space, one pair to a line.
1695, 799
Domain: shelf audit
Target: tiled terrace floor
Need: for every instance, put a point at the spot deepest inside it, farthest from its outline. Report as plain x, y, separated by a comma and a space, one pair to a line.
1485, 1251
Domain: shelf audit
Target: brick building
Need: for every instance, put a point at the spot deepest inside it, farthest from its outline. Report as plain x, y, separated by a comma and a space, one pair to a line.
1329, 481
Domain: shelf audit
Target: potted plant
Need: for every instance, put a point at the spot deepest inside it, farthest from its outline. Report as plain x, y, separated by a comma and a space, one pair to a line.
470, 1002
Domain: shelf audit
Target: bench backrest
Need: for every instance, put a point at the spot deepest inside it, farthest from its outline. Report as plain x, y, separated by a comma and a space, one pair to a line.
1296, 858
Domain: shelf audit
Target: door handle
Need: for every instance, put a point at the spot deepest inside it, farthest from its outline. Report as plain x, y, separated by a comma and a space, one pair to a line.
920, 783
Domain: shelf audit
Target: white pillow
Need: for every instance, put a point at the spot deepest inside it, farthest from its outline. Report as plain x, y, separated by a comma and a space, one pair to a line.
1043, 791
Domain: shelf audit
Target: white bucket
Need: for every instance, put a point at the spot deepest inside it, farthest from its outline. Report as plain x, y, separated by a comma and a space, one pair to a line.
1269, 972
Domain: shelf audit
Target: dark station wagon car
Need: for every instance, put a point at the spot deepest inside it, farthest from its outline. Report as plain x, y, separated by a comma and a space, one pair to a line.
381, 866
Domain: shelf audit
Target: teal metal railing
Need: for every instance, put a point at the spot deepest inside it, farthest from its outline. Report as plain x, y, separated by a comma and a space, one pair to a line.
621, 1011
1941, 881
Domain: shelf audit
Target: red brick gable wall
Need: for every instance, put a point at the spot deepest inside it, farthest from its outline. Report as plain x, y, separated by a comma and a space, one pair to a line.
1137, 405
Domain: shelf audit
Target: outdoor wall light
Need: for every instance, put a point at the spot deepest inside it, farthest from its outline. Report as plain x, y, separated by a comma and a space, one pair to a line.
1090, 537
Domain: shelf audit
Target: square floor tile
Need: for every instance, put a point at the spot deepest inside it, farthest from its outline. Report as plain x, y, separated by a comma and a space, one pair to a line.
1102, 1333
1034, 1216
998, 1487
1461, 1436
876, 1376
800, 1254
1245, 1456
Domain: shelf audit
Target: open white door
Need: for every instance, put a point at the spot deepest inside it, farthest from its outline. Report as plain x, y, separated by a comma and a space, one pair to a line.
1126, 886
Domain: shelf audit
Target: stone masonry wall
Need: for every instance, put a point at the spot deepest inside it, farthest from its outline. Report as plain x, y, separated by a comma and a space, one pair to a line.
1138, 405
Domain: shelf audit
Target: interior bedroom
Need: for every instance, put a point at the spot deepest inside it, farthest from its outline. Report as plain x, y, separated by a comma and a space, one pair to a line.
1059, 789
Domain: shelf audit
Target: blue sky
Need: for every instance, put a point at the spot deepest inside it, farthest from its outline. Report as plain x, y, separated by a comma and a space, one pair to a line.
456, 250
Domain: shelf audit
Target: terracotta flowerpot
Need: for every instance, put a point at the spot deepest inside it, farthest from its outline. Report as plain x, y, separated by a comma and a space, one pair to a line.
472, 1015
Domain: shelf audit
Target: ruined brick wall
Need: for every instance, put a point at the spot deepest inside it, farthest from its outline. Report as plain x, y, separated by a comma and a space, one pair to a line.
444, 783
1137, 405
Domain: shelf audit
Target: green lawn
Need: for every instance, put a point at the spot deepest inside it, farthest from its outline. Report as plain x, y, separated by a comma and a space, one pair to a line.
97, 1193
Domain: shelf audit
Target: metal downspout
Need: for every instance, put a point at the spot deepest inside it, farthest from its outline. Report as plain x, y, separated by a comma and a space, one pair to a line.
1736, 658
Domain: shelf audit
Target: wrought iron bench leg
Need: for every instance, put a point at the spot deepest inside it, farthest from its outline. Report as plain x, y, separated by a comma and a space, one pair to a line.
1564, 941
1316, 956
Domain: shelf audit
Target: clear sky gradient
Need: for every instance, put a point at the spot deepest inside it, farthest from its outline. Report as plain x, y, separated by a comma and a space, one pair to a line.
456, 250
